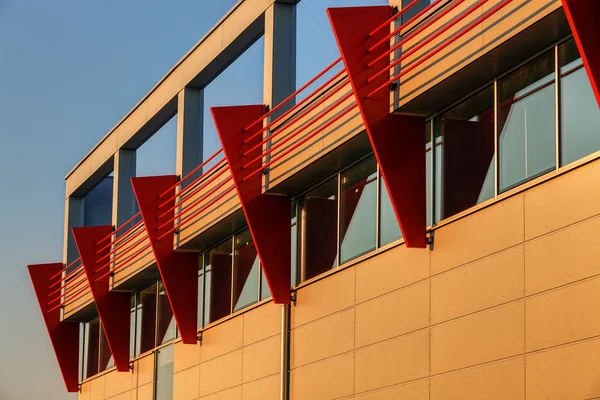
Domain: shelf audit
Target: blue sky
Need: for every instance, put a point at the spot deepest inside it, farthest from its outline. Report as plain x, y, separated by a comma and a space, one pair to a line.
69, 70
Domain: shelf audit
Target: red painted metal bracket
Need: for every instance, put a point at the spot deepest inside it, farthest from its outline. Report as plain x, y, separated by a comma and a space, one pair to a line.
398, 141
583, 19
64, 336
268, 216
113, 307
179, 271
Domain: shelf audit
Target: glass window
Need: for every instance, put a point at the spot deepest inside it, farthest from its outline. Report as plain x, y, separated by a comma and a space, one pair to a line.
217, 283
105, 357
164, 373
166, 329
294, 228
319, 213
428, 170
246, 268
389, 229
358, 209
146, 319
527, 122
200, 291
265, 293
580, 116
466, 153
91, 341
132, 328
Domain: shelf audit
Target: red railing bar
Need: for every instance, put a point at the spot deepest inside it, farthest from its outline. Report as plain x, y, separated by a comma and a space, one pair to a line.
59, 273
297, 117
301, 129
183, 221
419, 30
192, 185
128, 231
120, 255
301, 142
124, 262
446, 44
194, 203
209, 159
68, 299
120, 246
410, 21
393, 17
291, 96
187, 198
119, 228
75, 286
65, 284
304, 100
73, 274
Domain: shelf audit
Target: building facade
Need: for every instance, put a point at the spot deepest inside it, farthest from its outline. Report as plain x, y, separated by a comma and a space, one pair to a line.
417, 221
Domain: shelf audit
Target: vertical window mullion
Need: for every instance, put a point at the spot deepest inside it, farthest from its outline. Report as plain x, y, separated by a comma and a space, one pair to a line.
432, 199
339, 219
557, 88
156, 322
232, 273
496, 152
377, 206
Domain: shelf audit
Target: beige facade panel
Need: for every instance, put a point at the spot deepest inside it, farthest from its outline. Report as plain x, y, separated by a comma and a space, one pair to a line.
186, 356
392, 362
229, 394
324, 380
503, 380
568, 199
323, 338
186, 384
145, 392
562, 257
123, 396
116, 383
145, 370
479, 285
262, 389
262, 323
261, 359
563, 315
222, 339
569, 372
78, 303
487, 336
400, 312
84, 391
410, 391
221, 373
484, 37
389, 271
477, 236
97, 389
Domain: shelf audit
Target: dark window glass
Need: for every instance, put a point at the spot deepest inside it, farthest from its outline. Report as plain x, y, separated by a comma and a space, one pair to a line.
132, 328
358, 218
200, 291
164, 373
246, 268
466, 150
294, 261
146, 314
428, 174
91, 342
527, 122
166, 329
437, 169
105, 357
319, 213
389, 229
217, 274
580, 116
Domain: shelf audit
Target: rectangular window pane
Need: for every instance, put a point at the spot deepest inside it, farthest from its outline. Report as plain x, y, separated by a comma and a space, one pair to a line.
91, 342
106, 359
319, 213
132, 327
294, 244
527, 122
359, 209
200, 291
389, 229
164, 373
166, 329
246, 267
466, 150
428, 176
265, 293
146, 314
437, 170
580, 115
217, 274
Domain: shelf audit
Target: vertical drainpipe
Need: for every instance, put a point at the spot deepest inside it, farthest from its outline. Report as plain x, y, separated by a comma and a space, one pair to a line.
285, 352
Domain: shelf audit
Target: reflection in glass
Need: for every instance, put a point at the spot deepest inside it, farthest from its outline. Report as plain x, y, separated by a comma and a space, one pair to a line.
217, 282
319, 213
265, 293
166, 329
466, 151
428, 176
527, 122
132, 327
146, 319
91, 341
164, 373
246, 268
580, 116
200, 291
294, 244
105, 357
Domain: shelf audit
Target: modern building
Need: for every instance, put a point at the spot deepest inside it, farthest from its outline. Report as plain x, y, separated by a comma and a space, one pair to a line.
418, 221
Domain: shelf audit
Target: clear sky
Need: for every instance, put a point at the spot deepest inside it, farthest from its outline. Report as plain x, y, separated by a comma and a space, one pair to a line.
69, 70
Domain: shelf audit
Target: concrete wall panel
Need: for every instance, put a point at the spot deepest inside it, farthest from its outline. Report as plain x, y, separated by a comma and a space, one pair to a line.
411, 391
328, 379
186, 356
118, 382
263, 389
261, 359
186, 384
229, 394
262, 323
221, 373
222, 339
145, 392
